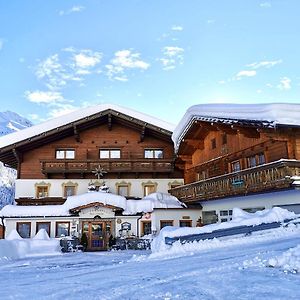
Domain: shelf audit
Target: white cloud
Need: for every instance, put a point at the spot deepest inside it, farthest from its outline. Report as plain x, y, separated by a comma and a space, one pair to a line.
74, 65
265, 64
211, 21
74, 9
62, 110
245, 73
177, 28
285, 83
125, 60
87, 59
48, 97
265, 4
172, 56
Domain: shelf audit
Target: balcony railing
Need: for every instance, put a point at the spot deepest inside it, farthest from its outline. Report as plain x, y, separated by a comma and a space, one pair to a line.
110, 166
271, 176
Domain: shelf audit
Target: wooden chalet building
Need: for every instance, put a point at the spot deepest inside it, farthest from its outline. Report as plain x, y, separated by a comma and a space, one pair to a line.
128, 152
230, 151
132, 152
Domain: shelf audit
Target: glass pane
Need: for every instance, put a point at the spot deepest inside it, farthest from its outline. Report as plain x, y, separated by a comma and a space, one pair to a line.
24, 230
115, 154
148, 153
60, 154
70, 154
158, 153
62, 229
166, 223
104, 153
123, 190
252, 161
97, 229
185, 224
149, 189
236, 166
85, 227
69, 191
261, 159
147, 228
45, 226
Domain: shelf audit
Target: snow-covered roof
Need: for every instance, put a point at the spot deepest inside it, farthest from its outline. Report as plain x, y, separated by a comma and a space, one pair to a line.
269, 115
130, 207
76, 116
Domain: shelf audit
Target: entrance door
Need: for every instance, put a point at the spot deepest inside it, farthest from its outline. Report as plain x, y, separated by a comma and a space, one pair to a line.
97, 236
98, 233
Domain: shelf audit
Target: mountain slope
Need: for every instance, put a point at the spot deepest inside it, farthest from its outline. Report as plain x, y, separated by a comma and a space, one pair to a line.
9, 122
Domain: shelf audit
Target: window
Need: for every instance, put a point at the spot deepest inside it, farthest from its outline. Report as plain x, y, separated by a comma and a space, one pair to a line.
24, 229
123, 190
65, 154
69, 191
224, 139
164, 223
43, 225
153, 153
225, 215
146, 227
235, 166
185, 223
62, 229
149, 189
213, 144
42, 191
110, 153
251, 161
261, 159
209, 217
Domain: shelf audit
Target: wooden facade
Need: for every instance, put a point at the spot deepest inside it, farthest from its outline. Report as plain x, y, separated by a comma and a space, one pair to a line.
231, 158
123, 146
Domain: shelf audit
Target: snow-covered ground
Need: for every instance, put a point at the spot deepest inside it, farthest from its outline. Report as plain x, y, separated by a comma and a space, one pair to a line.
236, 268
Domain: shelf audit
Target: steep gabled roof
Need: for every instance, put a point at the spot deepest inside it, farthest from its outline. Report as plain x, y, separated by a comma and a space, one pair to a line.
78, 120
253, 115
79, 115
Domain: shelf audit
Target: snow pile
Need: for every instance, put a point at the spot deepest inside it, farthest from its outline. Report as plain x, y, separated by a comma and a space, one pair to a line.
147, 204
239, 218
14, 247
154, 200
289, 261
272, 114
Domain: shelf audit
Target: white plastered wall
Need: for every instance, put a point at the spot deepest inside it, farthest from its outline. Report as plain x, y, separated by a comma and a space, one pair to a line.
26, 187
266, 200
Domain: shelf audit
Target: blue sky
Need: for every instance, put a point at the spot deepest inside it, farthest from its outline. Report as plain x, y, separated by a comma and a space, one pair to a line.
158, 57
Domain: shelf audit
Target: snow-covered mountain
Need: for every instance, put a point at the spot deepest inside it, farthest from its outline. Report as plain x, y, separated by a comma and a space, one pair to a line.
9, 122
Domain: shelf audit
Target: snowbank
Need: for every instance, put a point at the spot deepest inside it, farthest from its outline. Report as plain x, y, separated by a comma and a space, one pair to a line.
130, 207
239, 218
289, 261
14, 247
272, 114
154, 200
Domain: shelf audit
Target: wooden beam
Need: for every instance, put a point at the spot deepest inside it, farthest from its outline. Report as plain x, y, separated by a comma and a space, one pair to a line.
247, 132
109, 117
143, 132
195, 143
186, 158
76, 133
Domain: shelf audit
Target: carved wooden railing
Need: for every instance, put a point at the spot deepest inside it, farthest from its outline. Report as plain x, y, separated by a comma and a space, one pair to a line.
271, 176
109, 165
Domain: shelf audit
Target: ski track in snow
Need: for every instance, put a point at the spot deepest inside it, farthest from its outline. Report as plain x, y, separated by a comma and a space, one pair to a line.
231, 272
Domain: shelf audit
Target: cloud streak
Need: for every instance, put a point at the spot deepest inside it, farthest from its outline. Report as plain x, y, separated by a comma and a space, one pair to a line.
74, 9
123, 61
172, 56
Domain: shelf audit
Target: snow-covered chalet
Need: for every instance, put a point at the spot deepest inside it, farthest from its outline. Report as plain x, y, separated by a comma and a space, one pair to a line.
236, 155
103, 171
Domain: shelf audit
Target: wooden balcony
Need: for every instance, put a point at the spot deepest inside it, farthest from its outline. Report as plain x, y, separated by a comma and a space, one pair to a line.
110, 166
267, 177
